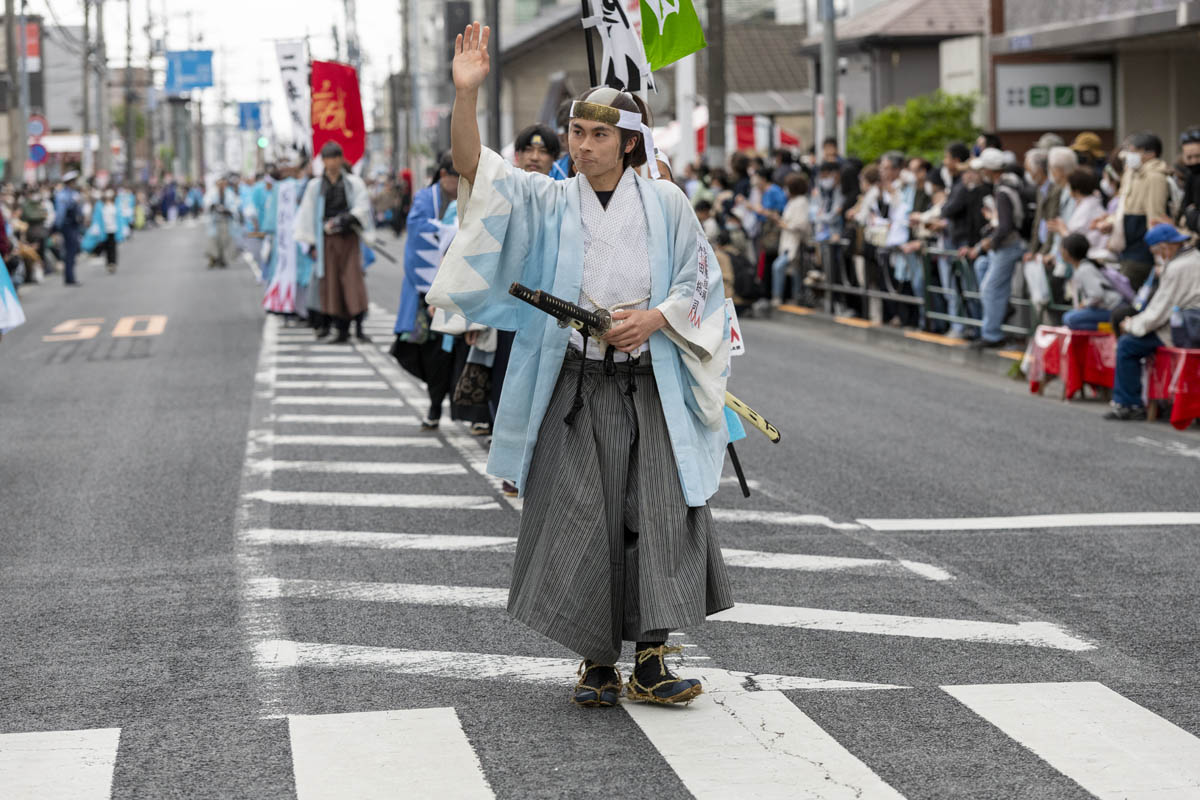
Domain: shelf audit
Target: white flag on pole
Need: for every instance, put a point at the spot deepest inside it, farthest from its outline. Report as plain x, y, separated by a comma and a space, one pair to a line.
293, 68
624, 64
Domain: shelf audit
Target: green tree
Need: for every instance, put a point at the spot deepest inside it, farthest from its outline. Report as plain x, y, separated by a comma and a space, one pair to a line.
923, 127
139, 122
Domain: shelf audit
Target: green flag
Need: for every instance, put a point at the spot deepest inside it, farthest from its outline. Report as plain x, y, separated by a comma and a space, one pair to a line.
670, 31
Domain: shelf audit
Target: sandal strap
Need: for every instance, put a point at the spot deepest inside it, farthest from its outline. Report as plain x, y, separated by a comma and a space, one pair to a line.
583, 671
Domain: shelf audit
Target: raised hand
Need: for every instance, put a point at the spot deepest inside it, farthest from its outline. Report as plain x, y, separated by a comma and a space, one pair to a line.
471, 62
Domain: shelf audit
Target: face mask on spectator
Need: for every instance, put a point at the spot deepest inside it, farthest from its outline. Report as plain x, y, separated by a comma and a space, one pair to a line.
1107, 187
1133, 160
828, 183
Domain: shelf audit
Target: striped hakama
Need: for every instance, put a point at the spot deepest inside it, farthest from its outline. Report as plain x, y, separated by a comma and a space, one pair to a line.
609, 549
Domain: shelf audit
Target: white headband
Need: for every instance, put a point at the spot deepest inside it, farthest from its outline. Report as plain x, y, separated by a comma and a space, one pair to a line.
619, 117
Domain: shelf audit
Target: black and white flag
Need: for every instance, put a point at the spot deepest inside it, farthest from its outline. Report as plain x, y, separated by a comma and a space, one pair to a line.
624, 63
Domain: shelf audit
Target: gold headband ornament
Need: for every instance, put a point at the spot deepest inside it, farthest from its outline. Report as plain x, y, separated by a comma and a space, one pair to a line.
619, 118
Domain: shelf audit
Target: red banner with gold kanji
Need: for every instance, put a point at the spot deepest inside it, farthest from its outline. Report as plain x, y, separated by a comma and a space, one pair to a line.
337, 114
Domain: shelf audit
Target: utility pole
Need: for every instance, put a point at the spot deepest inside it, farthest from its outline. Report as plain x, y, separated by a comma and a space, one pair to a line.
20, 146
716, 83
414, 99
15, 134
130, 129
829, 70
85, 151
152, 159
494, 79
103, 124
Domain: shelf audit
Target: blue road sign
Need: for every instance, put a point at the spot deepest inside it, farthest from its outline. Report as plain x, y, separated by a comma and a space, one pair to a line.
249, 116
38, 154
188, 69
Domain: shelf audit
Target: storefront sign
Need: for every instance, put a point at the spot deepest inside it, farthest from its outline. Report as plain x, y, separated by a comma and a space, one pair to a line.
1047, 97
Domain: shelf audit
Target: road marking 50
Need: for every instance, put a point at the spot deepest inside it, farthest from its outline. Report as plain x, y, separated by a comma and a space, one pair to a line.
75, 330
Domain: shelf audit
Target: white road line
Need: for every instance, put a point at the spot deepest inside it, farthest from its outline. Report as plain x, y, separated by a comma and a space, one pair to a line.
811, 563
347, 372
313, 347
1099, 520
1032, 634
297, 400
381, 541
404, 593
267, 465
330, 440
354, 359
282, 653
1106, 743
736, 515
58, 765
349, 419
460, 502
381, 755
756, 744
365, 386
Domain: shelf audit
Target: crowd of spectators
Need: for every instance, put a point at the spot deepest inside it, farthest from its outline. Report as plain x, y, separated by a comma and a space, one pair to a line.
1086, 239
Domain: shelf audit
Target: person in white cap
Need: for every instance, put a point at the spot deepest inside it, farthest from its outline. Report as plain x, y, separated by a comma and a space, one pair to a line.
617, 442
1002, 247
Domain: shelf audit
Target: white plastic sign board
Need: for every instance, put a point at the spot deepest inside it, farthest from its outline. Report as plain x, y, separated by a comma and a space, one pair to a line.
1047, 97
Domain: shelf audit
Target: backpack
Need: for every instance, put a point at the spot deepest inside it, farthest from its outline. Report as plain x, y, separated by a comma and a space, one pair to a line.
745, 277
1024, 203
1117, 281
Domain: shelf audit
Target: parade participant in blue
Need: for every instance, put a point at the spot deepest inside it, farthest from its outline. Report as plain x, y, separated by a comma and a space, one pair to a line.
221, 204
68, 223
308, 300
282, 289
263, 199
105, 230
432, 222
333, 216
126, 204
617, 445
11, 313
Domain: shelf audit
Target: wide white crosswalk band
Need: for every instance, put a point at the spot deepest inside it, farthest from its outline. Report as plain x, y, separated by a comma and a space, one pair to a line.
1108, 744
58, 765
756, 745
383, 755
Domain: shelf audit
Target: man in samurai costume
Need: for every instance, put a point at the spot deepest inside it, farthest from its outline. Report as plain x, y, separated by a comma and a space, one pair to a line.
333, 215
221, 203
618, 444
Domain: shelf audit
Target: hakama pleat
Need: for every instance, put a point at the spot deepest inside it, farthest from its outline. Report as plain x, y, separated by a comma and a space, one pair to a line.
608, 549
343, 290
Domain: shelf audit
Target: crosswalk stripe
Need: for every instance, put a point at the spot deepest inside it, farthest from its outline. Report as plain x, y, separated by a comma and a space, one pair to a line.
331, 440
1030, 522
751, 559
380, 755
357, 385
348, 372
380, 541
812, 563
311, 347
1032, 634
58, 765
460, 502
362, 591
1108, 744
738, 515
356, 467
760, 743
298, 400
354, 359
349, 419
282, 653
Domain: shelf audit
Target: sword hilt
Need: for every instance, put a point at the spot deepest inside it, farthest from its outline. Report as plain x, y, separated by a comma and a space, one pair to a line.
597, 322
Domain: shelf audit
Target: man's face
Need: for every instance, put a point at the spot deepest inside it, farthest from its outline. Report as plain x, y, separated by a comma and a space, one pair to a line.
951, 162
535, 158
596, 147
1165, 251
1191, 153
829, 151
333, 166
449, 184
888, 171
917, 167
703, 214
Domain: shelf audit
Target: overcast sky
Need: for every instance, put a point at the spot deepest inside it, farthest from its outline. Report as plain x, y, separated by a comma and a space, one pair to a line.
240, 33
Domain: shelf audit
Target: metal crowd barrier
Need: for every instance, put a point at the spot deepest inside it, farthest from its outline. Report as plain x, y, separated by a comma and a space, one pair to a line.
880, 284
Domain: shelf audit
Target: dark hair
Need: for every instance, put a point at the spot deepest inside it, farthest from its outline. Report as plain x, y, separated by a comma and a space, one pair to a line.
1190, 136
921, 163
626, 101
1083, 180
549, 140
958, 151
991, 140
703, 205
828, 166
893, 157
935, 178
870, 174
797, 184
829, 140
331, 150
1076, 246
445, 164
1147, 141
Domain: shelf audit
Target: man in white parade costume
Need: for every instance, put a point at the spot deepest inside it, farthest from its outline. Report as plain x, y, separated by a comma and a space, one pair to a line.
616, 442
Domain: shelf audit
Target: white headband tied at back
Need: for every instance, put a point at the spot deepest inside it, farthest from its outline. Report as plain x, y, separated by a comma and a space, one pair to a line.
619, 118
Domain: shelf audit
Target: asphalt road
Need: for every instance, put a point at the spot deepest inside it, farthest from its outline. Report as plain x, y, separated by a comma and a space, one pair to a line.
188, 557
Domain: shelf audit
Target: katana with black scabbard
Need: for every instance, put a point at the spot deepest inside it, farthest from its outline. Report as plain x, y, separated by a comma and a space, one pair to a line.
599, 322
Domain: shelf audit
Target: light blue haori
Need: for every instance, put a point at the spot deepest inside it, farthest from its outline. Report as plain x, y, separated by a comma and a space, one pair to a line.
517, 226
